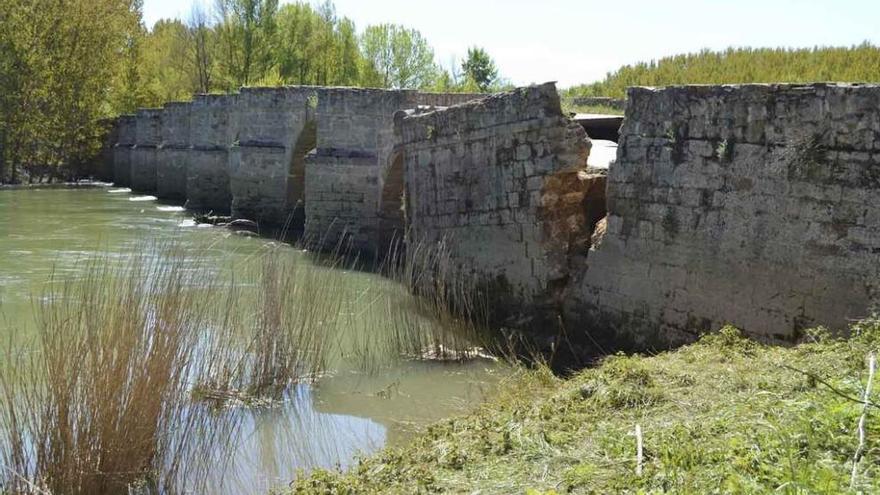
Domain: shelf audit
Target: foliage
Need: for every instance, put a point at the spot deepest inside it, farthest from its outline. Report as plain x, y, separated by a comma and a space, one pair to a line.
314, 46
397, 57
66, 65
568, 107
56, 62
245, 29
480, 68
743, 65
724, 415
166, 53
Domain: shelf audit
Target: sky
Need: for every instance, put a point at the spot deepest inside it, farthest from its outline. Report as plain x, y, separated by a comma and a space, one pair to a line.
579, 41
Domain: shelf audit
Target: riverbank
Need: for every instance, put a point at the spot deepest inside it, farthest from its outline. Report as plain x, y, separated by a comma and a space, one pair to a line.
722, 415
249, 317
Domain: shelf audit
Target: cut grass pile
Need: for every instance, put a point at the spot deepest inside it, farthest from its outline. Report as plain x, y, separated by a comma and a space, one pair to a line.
724, 415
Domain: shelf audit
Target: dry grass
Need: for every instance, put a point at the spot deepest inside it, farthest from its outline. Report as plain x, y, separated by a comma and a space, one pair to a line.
448, 317
120, 387
274, 328
101, 400
96, 402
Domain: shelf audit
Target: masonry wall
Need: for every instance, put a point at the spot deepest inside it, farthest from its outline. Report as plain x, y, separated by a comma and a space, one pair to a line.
488, 179
211, 132
125, 133
102, 163
173, 152
342, 176
148, 136
751, 205
269, 123
345, 174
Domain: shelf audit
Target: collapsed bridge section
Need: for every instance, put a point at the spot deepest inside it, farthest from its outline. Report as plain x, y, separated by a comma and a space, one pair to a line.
751, 205
503, 182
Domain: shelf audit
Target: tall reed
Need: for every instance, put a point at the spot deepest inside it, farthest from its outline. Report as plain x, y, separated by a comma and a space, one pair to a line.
276, 325
96, 404
103, 399
426, 308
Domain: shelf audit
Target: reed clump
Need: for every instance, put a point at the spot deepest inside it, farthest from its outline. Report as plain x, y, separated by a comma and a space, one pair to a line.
119, 385
422, 308
95, 403
274, 328
447, 317
125, 384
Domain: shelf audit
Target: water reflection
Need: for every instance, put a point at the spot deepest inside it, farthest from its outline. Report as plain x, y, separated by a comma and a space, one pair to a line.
53, 232
275, 442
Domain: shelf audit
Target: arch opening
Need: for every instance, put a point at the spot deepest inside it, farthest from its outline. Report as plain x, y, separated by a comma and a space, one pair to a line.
296, 177
392, 208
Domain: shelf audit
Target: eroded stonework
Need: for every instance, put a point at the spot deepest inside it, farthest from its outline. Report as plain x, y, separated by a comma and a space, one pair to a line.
750, 205
345, 176
207, 173
143, 155
501, 182
173, 152
126, 138
269, 122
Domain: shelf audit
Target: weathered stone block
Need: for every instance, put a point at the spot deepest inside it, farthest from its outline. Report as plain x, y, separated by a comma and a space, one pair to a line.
745, 189
498, 181
171, 169
207, 180
143, 168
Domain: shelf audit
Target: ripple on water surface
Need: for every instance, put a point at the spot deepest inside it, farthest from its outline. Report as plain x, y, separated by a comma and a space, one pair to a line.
46, 232
143, 198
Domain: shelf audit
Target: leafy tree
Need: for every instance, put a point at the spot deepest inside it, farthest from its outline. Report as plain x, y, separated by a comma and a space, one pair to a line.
246, 29
397, 57
314, 46
479, 68
200, 45
57, 64
166, 72
743, 65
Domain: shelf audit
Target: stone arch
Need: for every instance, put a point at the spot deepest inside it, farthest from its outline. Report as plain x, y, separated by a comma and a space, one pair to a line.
296, 176
393, 205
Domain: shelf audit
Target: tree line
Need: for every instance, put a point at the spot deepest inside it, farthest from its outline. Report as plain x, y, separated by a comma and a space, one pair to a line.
68, 65
859, 63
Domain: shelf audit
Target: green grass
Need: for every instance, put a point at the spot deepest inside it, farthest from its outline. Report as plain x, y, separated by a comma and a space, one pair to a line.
568, 107
724, 415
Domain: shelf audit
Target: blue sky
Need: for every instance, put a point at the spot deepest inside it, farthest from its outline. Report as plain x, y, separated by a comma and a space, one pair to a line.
575, 41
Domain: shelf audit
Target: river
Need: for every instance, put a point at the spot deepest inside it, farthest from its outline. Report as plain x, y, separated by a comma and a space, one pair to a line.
349, 412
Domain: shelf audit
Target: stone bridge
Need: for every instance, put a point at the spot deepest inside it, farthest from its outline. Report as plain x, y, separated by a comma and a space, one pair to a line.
753, 205
309, 159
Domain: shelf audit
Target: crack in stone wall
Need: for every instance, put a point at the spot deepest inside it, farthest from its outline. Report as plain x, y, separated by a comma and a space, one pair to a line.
750, 205
502, 182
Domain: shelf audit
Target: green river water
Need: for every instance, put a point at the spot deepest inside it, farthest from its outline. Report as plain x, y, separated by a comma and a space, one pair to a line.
350, 412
